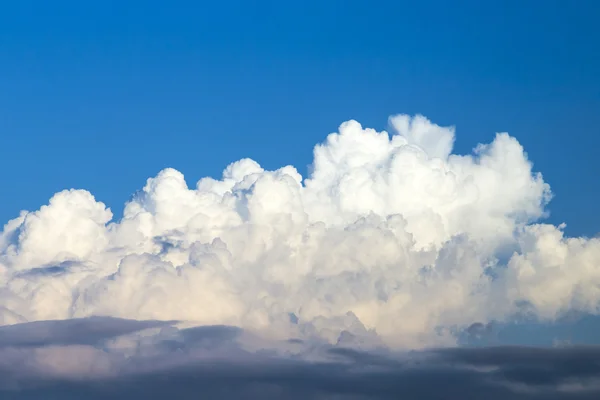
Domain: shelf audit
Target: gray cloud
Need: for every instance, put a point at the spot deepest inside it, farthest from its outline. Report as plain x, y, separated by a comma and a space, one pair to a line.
216, 363
81, 331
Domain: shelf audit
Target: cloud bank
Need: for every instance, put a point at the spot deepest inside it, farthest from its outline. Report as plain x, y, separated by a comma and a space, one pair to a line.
153, 360
391, 241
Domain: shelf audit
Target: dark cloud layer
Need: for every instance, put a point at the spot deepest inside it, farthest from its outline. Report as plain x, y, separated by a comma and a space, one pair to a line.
177, 367
82, 331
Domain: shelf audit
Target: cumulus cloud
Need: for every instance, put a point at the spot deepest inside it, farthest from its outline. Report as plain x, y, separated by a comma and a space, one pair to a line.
392, 240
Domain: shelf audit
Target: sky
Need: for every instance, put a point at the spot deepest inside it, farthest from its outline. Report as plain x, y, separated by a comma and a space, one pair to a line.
315, 199
101, 95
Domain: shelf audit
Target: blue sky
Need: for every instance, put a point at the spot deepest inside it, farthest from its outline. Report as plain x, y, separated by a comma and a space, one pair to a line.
102, 95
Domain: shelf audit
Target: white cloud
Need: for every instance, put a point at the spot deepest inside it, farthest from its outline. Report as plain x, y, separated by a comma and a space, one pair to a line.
391, 236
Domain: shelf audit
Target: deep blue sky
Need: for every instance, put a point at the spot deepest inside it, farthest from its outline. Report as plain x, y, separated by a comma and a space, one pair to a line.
102, 95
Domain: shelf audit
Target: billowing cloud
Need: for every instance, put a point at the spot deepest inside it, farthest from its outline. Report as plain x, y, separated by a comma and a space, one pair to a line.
391, 240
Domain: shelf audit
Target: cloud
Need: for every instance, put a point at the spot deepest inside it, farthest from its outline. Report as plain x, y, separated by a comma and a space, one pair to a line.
216, 362
392, 240
74, 331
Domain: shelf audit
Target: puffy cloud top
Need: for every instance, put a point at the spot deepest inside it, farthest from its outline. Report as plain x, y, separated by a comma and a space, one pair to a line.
391, 238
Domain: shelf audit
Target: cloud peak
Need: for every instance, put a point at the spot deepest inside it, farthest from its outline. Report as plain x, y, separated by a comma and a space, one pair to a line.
391, 239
